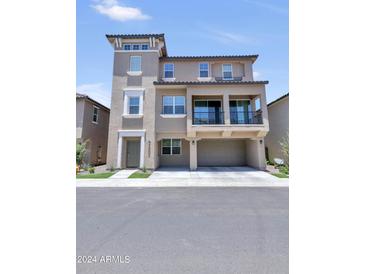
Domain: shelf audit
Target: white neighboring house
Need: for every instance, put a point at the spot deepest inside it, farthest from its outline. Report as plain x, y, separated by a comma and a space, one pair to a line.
278, 111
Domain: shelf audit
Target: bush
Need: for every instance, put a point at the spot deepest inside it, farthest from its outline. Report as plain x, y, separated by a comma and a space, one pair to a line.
91, 170
81, 152
284, 169
111, 168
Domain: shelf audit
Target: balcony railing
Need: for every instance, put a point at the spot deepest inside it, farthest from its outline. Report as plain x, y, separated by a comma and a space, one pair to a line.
208, 118
245, 117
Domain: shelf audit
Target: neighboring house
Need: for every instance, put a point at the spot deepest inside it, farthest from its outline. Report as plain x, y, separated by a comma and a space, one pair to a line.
92, 123
183, 111
279, 127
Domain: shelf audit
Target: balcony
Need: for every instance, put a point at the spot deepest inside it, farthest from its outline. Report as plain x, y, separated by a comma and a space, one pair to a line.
208, 117
236, 118
246, 117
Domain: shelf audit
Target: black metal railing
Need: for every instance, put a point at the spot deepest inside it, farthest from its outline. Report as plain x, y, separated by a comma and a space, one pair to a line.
229, 79
245, 117
208, 117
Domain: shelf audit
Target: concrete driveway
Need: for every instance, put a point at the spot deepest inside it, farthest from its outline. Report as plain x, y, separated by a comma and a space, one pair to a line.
228, 173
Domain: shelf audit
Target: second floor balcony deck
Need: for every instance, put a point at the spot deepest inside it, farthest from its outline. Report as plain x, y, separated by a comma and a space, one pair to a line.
236, 118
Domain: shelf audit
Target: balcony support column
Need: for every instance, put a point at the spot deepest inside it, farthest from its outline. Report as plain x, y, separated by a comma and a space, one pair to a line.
227, 114
193, 154
265, 116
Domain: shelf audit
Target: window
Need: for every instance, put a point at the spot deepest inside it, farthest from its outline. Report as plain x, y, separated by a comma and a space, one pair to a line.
227, 71
134, 105
173, 104
95, 114
203, 69
169, 70
240, 111
135, 63
145, 47
127, 47
171, 146
136, 46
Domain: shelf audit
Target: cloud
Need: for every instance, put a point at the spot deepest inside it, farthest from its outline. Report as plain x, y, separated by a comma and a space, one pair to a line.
225, 37
268, 6
96, 91
118, 12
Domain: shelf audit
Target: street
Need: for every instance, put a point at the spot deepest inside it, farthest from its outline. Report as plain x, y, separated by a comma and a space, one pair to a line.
182, 230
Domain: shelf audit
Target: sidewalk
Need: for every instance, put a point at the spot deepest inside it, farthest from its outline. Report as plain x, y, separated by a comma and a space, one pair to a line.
183, 182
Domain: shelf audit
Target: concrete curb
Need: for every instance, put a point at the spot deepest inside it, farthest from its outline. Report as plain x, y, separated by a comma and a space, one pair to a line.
179, 182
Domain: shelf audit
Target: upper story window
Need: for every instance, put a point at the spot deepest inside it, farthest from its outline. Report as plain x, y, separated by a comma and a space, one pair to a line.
127, 47
133, 103
135, 63
173, 104
133, 106
135, 46
203, 70
169, 70
227, 71
95, 114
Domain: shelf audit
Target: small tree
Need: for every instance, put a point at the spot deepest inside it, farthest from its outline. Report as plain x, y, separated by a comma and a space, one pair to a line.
80, 152
284, 143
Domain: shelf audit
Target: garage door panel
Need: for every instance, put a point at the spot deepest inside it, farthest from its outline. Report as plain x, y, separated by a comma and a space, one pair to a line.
221, 153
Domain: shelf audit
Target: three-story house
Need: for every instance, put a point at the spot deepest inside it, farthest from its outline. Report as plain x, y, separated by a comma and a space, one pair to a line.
183, 111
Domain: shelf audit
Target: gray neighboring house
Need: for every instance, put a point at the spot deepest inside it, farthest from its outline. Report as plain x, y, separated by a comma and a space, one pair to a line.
92, 123
279, 126
183, 111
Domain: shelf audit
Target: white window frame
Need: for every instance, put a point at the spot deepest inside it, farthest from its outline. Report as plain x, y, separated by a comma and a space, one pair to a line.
174, 105
139, 47
201, 70
97, 115
137, 92
171, 146
148, 46
173, 72
226, 71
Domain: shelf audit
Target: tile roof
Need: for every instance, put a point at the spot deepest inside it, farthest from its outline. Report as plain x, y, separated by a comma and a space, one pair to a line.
135, 36
192, 83
84, 96
214, 57
278, 99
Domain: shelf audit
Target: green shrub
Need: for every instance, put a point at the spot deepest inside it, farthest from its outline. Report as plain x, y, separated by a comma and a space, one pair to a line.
91, 170
111, 168
284, 169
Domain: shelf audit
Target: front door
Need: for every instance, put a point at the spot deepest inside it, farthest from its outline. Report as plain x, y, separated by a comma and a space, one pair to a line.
133, 153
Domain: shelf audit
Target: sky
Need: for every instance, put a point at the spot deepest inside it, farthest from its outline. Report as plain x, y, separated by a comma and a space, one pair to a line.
210, 27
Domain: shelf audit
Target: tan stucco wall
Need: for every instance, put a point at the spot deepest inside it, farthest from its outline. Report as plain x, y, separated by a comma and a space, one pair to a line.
256, 154
169, 125
221, 152
147, 122
189, 70
279, 127
97, 134
176, 160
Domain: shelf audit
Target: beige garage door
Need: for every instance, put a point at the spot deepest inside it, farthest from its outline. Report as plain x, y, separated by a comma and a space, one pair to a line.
221, 153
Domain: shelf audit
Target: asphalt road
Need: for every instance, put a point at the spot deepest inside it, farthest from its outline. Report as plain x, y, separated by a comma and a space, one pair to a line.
182, 230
